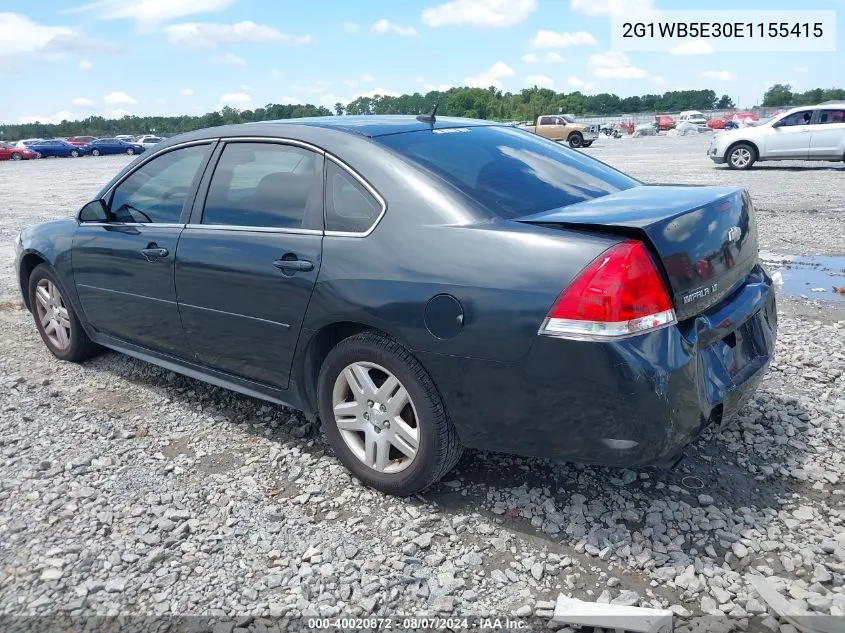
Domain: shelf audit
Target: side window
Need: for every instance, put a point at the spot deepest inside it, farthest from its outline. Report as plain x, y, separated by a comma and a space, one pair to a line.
798, 118
264, 185
157, 191
349, 206
831, 116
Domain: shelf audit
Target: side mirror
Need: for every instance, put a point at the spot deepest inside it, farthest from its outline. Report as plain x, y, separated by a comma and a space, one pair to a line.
777, 124
94, 211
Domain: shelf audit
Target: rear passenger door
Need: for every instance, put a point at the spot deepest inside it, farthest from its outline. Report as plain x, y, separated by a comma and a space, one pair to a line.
247, 262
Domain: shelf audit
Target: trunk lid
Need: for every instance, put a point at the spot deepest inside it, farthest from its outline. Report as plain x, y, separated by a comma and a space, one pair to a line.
705, 237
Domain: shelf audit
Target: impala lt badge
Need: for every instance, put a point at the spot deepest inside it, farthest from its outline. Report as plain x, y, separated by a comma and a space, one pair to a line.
734, 233
700, 293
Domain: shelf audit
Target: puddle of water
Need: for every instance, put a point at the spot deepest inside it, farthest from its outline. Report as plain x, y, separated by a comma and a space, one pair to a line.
811, 276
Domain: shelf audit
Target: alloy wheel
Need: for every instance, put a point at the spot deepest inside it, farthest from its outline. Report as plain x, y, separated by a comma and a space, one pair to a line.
53, 314
376, 417
740, 157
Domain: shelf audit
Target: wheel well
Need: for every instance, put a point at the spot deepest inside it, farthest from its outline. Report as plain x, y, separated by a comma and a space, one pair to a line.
319, 347
749, 143
28, 264
573, 133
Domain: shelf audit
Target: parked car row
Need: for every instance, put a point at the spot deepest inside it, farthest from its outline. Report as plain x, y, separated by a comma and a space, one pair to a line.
76, 146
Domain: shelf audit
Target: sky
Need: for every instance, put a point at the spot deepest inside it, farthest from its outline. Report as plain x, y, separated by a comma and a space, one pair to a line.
68, 59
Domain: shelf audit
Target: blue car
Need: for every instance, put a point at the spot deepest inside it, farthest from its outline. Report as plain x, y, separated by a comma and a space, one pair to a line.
102, 146
58, 147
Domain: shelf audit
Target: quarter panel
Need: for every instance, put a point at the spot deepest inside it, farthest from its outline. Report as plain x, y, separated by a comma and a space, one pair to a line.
505, 276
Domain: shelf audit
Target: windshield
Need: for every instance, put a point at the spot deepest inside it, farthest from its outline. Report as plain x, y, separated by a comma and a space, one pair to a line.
509, 171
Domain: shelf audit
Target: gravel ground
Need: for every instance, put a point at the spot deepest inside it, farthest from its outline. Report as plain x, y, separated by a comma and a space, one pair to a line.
126, 489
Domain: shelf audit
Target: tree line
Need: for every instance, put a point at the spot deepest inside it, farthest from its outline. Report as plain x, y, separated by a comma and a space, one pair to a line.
782, 95
481, 103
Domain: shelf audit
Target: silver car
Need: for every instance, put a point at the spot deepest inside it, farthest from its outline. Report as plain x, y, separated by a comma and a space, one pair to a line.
805, 133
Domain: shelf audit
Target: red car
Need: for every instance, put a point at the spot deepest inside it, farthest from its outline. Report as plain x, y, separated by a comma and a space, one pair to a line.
716, 123
80, 141
13, 152
664, 122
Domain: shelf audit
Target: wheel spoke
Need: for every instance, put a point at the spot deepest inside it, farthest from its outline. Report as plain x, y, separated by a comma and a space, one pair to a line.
50, 328
360, 376
387, 389
43, 297
382, 454
45, 320
404, 437
399, 401
61, 335
370, 449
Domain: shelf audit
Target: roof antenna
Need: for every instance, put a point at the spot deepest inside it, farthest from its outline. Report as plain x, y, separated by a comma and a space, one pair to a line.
429, 118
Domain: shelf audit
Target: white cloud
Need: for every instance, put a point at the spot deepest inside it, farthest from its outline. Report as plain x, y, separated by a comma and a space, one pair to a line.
484, 13
692, 47
151, 11
290, 101
615, 65
541, 81
491, 77
367, 78
239, 100
386, 26
64, 115
186, 92
659, 80
437, 87
233, 60
119, 98
350, 82
575, 81
329, 100
85, 65
82, 101
350, 27
205, 35
611, 7
119, 114
721, 75
22, 35
553, 58
530, 58
375, 92
553, 39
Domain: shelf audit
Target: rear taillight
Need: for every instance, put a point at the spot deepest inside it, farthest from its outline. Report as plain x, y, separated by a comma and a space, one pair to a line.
621, 293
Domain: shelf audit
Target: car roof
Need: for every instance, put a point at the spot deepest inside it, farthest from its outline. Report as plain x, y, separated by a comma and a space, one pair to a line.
363, 125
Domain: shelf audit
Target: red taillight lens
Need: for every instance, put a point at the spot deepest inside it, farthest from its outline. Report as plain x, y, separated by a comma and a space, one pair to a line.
619, 294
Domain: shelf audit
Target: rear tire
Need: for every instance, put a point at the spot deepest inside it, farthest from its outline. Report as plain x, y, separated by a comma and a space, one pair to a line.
371, 389
55, 318
576, 140
17, 156
130, 151
741, 156
96, 152
74, 153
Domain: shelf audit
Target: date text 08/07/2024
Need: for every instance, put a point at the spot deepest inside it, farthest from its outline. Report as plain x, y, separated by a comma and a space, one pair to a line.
419, 623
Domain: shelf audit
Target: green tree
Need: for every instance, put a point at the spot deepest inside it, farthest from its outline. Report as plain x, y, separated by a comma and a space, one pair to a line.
338, 108
778, 95
725, 103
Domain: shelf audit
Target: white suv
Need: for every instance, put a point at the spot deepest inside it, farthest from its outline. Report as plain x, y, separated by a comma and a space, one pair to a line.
805, 133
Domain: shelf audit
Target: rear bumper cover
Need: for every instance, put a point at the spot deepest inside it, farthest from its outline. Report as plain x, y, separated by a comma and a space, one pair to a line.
634, 402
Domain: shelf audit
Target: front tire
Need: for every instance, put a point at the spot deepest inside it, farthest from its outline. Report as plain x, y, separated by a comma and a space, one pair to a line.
130, 151
576, 140
17, 156
55, 318
74, 153
384, 417
741, 156
96, 152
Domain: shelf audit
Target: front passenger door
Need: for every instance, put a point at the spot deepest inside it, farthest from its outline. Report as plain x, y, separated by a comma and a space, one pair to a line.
249, 259
792, 138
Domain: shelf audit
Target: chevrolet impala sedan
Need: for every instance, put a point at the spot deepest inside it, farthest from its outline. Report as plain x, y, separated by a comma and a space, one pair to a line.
421, 284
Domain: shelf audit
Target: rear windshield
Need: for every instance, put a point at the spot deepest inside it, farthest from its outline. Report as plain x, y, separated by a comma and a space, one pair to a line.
509, 171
